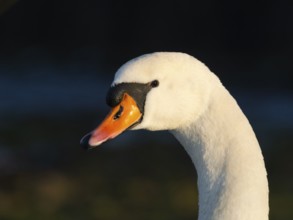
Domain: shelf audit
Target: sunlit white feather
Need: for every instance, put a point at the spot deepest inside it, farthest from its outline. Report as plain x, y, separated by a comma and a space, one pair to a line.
191, 102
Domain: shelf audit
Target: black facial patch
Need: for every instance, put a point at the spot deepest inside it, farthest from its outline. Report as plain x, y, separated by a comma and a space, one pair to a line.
138, 91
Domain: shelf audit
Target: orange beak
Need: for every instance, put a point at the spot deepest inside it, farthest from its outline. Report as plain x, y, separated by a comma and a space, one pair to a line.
118, 120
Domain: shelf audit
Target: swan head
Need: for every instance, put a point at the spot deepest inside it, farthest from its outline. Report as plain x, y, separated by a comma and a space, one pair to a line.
158, 91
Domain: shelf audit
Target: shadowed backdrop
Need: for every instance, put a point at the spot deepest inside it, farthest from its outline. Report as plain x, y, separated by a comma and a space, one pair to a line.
57, 61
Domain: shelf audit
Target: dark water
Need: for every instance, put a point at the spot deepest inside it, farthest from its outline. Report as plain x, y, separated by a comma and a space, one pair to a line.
44, 174
57, 60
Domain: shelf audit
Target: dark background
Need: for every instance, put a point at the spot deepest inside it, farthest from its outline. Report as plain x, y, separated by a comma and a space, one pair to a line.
57, 60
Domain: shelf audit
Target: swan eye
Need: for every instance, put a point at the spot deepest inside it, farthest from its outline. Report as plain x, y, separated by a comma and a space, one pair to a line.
118, 114
155, 83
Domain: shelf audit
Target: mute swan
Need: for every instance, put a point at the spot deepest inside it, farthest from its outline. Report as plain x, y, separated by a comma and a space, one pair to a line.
176, 92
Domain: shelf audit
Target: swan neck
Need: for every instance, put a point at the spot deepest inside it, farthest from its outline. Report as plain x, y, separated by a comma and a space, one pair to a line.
232, 181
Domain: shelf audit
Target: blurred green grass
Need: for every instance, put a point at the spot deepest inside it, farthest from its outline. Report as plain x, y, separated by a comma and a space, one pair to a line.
48, 175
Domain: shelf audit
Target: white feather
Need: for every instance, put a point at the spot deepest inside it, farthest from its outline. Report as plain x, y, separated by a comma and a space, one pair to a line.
191, 102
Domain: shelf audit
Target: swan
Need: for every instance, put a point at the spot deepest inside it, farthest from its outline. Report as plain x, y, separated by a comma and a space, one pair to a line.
176, 92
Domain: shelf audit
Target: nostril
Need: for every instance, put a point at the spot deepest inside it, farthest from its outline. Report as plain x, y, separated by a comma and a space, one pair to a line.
118, 114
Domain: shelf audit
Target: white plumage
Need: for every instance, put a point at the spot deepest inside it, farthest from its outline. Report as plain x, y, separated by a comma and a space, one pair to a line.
194, 106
